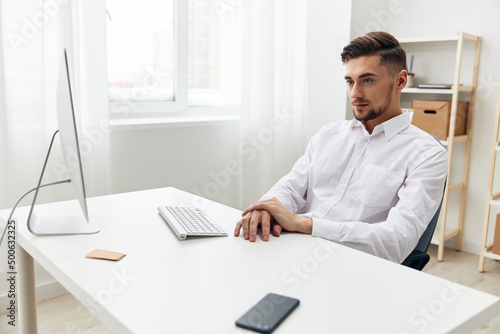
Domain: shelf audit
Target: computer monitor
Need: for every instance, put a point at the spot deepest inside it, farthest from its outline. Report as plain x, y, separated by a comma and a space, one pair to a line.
61, 224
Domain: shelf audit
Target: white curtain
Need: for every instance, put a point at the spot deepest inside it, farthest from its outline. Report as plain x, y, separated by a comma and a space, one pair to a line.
26, 125
34, 35
275, 93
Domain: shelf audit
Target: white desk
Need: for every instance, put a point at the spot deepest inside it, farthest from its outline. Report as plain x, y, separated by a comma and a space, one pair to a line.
204, 285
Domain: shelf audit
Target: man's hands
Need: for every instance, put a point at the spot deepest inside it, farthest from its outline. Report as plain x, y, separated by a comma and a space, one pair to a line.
273, 216
251, 221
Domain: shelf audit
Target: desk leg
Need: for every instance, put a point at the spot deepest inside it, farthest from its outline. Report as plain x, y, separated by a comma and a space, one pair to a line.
26, 293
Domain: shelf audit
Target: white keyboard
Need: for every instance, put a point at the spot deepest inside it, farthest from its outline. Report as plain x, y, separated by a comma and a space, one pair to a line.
188, 222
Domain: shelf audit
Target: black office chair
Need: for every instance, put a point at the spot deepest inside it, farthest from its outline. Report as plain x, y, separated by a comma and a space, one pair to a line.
419, 258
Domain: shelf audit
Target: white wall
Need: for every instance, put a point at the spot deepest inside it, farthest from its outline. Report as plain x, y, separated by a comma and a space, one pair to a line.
193, 159
328, 33
428, 18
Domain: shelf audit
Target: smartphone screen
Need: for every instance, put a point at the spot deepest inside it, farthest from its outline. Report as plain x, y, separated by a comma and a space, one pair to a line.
268, 313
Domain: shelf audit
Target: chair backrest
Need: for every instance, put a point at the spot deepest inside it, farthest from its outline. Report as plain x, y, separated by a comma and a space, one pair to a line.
425, 239
418, 258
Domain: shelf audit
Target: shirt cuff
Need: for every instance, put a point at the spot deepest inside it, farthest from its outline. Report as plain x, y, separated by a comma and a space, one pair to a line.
326, 229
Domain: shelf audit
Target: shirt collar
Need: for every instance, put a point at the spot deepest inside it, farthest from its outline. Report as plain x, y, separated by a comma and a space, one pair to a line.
390, 127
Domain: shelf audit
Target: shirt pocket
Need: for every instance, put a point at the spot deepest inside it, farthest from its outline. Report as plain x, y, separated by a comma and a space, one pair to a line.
378, 186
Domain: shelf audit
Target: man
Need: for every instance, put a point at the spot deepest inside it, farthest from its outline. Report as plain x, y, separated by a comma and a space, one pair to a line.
372, 183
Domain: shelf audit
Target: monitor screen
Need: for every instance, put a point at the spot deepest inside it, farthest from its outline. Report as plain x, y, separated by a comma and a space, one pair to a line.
81, 223
69, 133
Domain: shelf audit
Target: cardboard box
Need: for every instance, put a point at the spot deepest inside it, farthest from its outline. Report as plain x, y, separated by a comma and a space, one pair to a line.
434, 117
496, 238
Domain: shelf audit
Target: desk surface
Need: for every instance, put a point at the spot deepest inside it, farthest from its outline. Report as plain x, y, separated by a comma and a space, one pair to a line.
203, 285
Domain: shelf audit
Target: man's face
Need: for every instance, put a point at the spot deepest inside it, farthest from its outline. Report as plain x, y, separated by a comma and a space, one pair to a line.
370, 86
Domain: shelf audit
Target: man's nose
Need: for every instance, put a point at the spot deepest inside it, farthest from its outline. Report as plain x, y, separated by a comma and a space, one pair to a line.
356, 91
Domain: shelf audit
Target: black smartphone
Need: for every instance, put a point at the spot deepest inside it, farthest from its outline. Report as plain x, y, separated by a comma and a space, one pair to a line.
268, 313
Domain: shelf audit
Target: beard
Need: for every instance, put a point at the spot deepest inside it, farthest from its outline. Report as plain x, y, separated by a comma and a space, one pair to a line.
372, 113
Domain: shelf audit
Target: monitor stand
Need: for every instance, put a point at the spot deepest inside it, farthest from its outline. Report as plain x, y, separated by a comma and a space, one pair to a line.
63, 225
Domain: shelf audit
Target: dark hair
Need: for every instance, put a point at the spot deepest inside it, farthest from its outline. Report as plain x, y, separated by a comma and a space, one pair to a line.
379, 43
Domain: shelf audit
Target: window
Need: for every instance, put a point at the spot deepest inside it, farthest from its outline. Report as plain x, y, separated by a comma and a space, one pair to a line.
140, 50
173, 56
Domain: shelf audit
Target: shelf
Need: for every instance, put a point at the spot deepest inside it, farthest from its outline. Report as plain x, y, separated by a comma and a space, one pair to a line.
437, 39
444, 91
467, 89
443, 232
426, 91
492, 255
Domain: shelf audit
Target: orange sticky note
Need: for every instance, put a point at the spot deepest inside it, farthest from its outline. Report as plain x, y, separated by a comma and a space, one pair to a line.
102, 254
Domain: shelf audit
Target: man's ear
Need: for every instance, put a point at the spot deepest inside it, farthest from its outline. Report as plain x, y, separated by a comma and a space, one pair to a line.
402, 79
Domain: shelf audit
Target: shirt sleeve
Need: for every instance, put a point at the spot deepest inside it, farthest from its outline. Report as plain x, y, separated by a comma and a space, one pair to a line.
396, 237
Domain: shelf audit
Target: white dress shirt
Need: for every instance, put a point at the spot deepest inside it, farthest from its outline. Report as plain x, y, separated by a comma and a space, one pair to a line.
375, 193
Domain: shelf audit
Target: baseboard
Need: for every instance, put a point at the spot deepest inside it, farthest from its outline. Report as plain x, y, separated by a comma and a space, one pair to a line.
467, 246
471, 247
43, 291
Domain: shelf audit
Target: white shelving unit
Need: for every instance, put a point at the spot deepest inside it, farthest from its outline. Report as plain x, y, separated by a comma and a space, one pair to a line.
443, 232
491, 199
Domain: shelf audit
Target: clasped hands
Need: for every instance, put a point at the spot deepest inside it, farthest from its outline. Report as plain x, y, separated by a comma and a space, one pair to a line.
272, 216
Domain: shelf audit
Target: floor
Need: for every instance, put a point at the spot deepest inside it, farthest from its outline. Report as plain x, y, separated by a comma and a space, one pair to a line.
64, 314
461, 267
